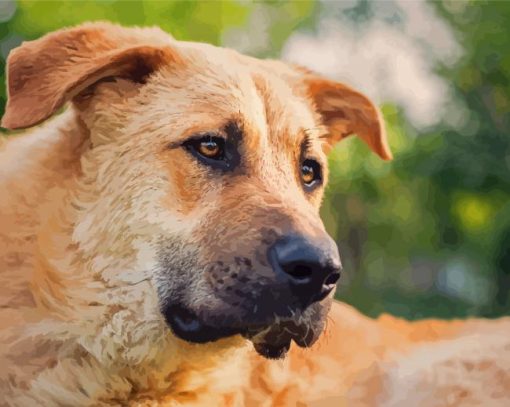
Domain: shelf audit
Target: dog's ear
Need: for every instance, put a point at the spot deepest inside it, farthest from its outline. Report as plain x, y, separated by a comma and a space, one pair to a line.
44, 74
346, 111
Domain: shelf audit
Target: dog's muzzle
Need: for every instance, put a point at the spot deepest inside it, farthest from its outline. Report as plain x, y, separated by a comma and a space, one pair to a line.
284, 302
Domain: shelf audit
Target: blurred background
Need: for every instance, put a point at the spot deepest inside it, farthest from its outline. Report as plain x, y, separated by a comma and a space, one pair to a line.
427, 234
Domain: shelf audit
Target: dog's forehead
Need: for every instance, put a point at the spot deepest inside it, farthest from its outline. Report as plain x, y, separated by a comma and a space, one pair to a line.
265, 96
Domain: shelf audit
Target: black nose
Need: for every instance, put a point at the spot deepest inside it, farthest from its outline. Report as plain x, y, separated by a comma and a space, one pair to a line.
311, 269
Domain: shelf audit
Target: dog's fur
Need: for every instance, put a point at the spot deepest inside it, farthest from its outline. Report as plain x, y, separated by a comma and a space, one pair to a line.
104, 218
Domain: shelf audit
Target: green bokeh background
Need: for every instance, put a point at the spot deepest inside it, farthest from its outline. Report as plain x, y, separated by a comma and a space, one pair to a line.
425, 235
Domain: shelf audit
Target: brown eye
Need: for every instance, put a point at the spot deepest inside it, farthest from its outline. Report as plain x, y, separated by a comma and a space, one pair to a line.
310, 172
208, 147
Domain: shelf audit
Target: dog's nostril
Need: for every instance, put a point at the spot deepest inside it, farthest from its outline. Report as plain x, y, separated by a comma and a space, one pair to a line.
299, 271
332, 279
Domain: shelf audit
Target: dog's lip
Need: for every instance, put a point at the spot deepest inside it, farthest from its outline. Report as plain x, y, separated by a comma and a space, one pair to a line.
188, 326
271, 340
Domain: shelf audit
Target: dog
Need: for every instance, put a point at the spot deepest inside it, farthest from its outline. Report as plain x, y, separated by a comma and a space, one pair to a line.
161, 242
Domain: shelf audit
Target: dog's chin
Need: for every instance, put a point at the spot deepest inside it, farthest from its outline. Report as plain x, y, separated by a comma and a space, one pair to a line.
271, 340
274, 341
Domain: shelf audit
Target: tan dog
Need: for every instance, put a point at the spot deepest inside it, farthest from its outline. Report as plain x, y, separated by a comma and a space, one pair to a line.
166, 224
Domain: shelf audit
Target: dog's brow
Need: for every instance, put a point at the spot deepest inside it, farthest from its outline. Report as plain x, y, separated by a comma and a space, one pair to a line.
234, 131
308, 135
307, 140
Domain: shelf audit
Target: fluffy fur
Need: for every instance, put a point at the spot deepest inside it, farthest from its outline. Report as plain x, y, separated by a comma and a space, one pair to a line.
101, 221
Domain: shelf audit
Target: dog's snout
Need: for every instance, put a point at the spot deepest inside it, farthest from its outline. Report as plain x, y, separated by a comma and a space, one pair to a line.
311, 270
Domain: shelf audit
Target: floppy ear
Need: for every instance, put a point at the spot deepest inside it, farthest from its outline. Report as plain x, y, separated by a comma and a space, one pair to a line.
44, 74
345, 112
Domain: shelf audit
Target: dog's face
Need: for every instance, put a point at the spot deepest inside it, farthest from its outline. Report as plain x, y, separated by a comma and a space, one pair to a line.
213, 165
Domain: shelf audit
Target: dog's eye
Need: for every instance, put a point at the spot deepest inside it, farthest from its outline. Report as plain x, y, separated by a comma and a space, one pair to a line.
310, 172
208, 147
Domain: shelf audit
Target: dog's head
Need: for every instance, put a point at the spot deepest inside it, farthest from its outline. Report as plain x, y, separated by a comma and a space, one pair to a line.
209, 165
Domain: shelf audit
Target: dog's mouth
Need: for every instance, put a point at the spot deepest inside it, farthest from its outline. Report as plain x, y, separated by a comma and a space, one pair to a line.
188, 326
271, 339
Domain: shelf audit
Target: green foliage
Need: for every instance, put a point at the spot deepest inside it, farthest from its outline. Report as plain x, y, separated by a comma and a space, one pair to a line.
433, 231
429, 233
